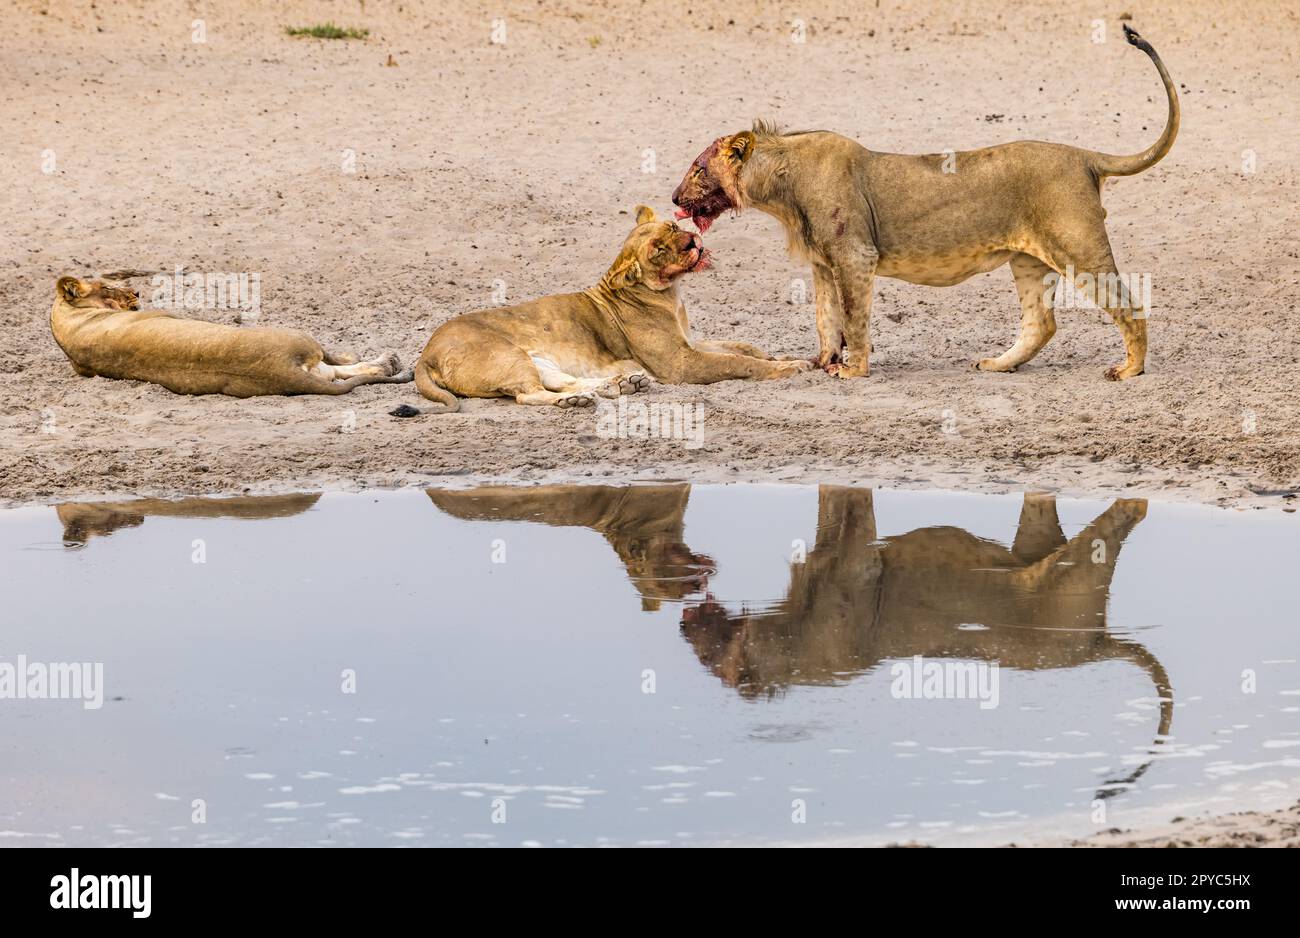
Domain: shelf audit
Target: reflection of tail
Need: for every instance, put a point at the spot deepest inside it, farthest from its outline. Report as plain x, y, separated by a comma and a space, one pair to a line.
1148, 662
429, 383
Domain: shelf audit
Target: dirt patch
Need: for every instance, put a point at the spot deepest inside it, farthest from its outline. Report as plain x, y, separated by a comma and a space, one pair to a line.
376, 201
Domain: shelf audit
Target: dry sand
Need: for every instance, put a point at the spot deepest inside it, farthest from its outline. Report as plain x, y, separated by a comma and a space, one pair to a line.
1245, 829
478, 162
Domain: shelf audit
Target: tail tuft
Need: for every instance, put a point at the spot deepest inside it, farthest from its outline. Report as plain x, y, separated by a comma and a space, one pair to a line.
1135, 39
405, 410
1104, 164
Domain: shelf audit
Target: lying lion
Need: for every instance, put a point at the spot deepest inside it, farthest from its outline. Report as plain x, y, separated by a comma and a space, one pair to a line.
103, 331
938, 219
84, 520
642, 523
566, 349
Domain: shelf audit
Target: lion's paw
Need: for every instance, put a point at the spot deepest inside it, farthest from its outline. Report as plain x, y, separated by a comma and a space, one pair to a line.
1122, 373
631, 384
583, 399
798, 366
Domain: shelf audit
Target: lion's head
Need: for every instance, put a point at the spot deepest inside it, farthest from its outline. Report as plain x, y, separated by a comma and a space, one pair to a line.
95, 294
656, 253
712, 185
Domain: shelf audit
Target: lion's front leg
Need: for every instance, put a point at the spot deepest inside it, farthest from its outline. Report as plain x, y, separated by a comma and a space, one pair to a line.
830, 317
692, 366
732, 348
855, 274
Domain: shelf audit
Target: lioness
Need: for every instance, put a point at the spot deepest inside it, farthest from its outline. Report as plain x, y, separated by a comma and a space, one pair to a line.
643, 523
935, 219
857, 599
103, 331
566, 349
84, 520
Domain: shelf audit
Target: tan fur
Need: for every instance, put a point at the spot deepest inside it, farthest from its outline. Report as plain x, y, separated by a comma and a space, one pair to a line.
84, 520
103, 331
567, 349
643, 523
938, 219
857, 600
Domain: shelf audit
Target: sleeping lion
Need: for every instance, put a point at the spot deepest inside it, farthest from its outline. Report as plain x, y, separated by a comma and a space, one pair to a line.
103, 331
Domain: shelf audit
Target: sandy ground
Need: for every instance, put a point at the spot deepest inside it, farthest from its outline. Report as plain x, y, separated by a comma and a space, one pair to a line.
481, 165
1246, 829
478, 162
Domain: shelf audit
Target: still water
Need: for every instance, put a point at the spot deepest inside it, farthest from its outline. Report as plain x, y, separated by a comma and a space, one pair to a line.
649, 664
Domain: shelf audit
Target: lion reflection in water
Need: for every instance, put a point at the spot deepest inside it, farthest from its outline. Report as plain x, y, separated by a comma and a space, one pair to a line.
84, 520
643, 523
857, 600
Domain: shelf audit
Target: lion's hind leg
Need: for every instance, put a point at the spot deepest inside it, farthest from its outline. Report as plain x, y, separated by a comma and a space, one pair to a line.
574, 391
620, 377
1034, 283
1083, 250
383, 366
506, 370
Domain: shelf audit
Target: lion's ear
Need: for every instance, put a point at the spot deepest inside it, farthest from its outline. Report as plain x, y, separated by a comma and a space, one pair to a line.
742, 144
644, 214
625, 274
70, 288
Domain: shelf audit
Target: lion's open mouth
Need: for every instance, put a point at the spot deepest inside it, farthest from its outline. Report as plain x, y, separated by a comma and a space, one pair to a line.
703, 261
704, 213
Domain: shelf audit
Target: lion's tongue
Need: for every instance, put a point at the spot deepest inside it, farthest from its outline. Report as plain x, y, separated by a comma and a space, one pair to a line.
682, 213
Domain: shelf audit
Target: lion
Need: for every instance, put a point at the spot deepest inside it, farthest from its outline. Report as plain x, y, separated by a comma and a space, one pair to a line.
103, 331
937, 219
642, 523
857, 600
608, 340
83, 520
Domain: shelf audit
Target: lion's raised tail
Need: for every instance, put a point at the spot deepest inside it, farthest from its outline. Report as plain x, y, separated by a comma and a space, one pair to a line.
1108, 165
430, 385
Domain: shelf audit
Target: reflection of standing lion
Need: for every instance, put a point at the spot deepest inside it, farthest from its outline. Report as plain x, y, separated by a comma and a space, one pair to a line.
857, 601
